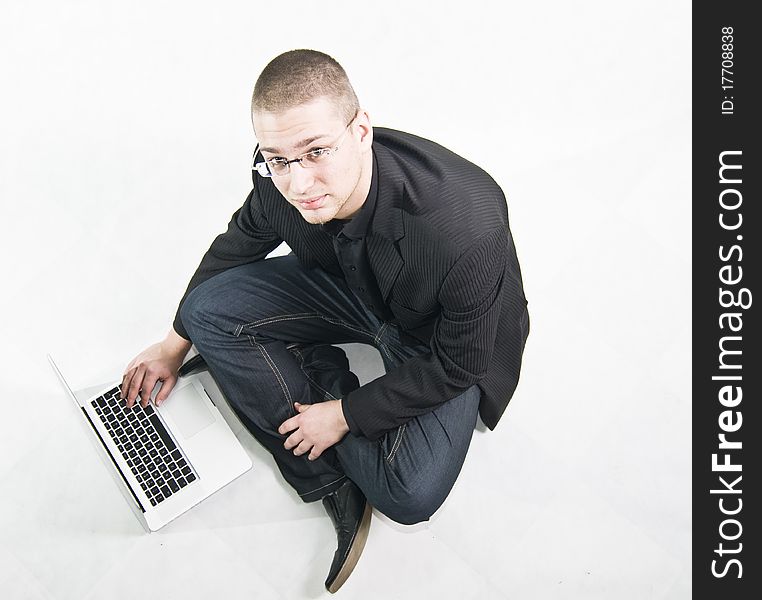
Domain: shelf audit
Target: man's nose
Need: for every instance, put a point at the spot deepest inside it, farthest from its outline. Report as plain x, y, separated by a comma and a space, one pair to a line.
301, 179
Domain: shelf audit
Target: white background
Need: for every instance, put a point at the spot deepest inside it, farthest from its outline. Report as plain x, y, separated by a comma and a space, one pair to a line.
125, 145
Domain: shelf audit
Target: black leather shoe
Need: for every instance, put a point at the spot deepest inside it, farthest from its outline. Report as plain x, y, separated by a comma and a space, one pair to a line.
350, 513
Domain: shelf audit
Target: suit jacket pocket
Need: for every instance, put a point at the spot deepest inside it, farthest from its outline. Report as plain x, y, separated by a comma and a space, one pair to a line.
410, 318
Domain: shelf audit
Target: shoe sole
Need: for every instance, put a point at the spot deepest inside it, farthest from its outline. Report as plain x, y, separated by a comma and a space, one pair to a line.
354, 551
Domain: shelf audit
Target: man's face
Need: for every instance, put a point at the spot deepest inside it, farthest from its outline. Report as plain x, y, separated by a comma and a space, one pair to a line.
335, 189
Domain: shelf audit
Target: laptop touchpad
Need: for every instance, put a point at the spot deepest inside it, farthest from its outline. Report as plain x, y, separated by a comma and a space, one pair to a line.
188, 411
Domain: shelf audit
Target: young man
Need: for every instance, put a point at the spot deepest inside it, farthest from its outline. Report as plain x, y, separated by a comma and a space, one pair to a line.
397, 242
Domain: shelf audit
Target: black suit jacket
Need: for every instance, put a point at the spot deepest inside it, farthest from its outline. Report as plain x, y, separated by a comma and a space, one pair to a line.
441, 250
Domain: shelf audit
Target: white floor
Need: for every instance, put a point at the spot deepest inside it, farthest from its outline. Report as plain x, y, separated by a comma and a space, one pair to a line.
581, 492
125, 150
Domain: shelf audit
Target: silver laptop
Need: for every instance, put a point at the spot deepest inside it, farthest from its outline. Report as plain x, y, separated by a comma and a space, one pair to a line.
164, 459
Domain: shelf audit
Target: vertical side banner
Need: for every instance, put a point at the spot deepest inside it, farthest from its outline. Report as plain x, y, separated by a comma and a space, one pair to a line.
727, 298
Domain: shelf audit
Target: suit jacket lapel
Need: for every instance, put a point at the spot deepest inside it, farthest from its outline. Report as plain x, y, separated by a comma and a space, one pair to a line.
387, 226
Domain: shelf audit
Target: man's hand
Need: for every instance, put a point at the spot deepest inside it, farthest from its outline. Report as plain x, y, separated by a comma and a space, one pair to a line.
315, 428
159, 362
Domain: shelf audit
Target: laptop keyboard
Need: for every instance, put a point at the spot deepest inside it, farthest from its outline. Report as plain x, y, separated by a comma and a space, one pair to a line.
159, 466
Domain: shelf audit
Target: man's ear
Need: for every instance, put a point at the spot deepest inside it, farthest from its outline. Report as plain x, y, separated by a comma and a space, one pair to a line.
366, 129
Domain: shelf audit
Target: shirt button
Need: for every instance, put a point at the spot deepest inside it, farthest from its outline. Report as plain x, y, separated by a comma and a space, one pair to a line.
361, 289
353, 268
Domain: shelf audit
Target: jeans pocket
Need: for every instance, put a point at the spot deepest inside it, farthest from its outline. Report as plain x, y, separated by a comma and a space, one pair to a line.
392, 442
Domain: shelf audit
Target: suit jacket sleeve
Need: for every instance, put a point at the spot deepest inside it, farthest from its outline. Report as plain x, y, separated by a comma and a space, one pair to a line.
249, 237
461, 347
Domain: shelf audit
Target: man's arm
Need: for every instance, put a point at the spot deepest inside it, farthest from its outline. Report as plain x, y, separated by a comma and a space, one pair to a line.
249, 237
461, 347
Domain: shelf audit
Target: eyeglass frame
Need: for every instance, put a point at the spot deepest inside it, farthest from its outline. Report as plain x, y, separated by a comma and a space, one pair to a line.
263, 169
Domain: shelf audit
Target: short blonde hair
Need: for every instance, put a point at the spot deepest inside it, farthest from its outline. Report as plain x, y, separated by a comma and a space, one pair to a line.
300, 76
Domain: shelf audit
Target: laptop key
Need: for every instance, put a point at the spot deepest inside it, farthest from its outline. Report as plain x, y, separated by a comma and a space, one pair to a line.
163, 433
173, 485
190, 477
165, 490
181, 481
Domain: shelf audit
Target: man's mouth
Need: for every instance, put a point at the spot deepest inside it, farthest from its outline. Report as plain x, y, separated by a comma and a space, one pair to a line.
311, 203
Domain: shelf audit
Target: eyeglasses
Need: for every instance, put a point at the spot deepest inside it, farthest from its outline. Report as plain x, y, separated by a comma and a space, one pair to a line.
276, 167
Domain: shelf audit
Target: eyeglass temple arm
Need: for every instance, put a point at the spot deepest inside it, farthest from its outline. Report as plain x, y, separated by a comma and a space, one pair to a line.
253, 170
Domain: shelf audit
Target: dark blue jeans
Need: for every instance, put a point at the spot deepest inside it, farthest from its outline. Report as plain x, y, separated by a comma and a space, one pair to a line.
266, 329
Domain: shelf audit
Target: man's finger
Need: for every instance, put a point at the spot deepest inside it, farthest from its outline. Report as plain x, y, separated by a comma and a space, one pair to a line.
149, 382
288, 425
126, 383
315, 452
293, 440
303, 448
166, 387
135, 385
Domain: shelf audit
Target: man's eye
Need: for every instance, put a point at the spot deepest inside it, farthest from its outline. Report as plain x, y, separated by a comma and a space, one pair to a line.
317, 152
277, 161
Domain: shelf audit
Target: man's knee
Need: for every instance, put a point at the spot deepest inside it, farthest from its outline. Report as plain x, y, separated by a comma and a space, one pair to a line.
200, 312
411, 507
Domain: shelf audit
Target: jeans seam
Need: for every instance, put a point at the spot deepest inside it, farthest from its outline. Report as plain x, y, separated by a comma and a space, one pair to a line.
397, 443
314, 383
276, 372
385, 350
297, 316
323, 486
377, 339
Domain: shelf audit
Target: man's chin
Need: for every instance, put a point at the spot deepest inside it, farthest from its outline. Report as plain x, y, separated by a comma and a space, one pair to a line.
317, 217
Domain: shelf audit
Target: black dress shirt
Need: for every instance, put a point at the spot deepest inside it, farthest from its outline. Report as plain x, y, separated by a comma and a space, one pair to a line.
349, 245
